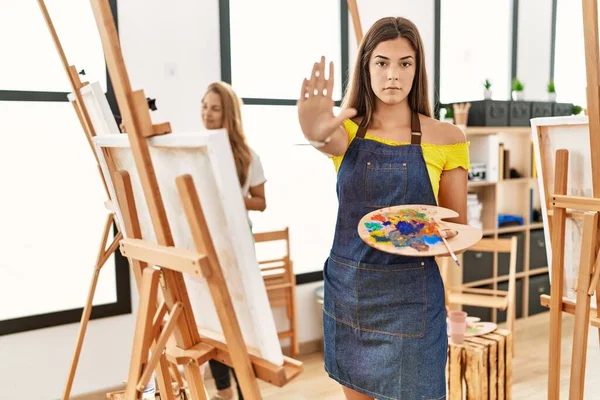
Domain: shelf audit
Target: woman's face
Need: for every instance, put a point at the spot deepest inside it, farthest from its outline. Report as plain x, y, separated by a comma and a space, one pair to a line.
392, 69
212, 111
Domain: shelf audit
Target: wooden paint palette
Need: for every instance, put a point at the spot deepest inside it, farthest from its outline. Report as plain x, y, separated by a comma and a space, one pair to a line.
412, 230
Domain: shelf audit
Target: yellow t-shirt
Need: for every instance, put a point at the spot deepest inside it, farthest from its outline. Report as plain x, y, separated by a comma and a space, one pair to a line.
438, 157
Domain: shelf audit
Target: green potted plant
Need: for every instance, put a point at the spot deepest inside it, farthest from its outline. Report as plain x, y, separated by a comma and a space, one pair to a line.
577, 109
447, 114
551, 91
517, 89
487, 92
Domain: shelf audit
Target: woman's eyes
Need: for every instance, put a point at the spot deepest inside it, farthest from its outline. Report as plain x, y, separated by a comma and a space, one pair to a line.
383, 64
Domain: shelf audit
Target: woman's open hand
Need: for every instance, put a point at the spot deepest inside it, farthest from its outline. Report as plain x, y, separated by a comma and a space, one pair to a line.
315, 106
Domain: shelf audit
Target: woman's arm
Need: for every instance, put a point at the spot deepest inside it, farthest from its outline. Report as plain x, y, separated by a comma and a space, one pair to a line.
256, 200
453, 183
453, 193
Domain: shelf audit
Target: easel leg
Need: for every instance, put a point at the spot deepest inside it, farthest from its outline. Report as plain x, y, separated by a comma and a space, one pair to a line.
557, 278
218, 289
582, 308
103, 255
143, 330
195, 381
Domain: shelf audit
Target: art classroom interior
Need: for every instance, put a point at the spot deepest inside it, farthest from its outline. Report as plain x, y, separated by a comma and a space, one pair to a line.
368, 200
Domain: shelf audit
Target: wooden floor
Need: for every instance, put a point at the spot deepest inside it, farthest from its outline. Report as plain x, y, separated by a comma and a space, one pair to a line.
530, 367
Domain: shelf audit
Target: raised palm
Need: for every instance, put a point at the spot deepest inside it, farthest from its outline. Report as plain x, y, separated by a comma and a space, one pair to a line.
315, 106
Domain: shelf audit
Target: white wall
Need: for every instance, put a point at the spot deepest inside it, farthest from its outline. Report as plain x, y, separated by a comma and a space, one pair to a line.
533, 50
154, 35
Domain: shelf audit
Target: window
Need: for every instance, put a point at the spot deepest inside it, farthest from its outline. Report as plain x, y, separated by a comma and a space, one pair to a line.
52, 210
34, 62
268, 58
270, 54
475, 44
569, 63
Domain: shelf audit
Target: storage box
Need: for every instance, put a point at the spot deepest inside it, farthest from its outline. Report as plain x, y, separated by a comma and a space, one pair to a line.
537, 250
562, 109
477, 265
488, 113
538, 285
541, 109
504, 258
519, 113
501, 315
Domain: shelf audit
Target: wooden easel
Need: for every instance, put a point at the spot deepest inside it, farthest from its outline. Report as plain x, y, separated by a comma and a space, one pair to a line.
353, 7
104, 253
589, 268
191, 349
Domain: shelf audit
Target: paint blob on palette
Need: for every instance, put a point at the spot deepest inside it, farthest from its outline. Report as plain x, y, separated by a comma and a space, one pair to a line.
405, 227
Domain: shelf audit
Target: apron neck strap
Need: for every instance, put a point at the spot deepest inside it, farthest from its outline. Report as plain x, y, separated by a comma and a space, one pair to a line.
415, 127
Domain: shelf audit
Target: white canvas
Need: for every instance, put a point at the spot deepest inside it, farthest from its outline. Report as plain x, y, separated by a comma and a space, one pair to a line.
571, 133
98, 109
207, 157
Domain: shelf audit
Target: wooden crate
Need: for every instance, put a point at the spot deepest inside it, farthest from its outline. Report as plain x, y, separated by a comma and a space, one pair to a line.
481, 367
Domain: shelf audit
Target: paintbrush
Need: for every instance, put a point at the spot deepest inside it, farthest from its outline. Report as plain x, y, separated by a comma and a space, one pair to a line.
437, 226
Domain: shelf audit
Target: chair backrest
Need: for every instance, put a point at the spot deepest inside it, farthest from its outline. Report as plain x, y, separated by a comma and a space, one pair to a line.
499, 245
488, 245
281, 259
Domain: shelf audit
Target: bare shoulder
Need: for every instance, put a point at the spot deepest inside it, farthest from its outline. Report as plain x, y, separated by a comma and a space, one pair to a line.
438, 132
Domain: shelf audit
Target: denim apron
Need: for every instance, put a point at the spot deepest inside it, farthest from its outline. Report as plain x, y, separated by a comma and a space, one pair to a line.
384, 315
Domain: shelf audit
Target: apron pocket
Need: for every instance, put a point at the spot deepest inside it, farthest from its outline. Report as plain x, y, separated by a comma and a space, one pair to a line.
392, 299
385, 184
339, 276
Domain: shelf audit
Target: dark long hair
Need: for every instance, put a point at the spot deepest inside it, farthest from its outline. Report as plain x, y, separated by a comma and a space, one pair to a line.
359, 94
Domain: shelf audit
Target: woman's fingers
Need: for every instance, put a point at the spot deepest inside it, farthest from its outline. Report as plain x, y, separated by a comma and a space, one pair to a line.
313, 80
304, 90
329, 86
320, 84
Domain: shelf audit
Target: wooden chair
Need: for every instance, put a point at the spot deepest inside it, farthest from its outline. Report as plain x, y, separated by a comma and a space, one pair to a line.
280, 282
488, 298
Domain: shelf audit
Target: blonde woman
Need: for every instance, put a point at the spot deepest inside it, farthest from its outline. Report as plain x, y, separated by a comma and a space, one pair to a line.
221, 108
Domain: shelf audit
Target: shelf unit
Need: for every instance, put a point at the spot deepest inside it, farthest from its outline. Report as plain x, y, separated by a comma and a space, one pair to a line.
515, 196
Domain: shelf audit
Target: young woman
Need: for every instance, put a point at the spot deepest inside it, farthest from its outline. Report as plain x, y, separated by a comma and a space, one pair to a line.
221, 108
384, 315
